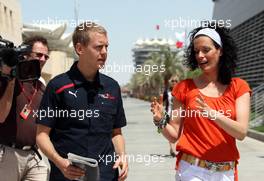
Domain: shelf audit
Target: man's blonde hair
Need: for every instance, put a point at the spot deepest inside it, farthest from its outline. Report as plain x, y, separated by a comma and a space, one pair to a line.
81, 33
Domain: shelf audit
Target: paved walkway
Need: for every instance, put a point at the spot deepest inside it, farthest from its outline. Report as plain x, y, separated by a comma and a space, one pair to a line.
149, 151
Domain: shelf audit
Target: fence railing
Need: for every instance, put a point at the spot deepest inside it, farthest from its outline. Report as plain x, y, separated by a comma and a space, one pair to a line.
257, 106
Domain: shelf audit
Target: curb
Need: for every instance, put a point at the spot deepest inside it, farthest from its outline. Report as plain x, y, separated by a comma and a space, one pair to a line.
256, 135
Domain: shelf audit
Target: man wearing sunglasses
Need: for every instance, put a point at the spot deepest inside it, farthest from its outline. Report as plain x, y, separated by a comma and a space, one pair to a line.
19, 156
42, 57
39, 52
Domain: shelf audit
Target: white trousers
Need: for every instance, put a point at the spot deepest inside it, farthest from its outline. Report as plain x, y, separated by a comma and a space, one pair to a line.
188, 172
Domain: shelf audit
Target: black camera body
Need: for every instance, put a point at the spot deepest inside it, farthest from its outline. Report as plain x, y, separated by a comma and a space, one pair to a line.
14, 57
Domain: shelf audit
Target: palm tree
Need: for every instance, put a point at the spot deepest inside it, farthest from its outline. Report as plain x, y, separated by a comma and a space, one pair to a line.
173, 65
168, 61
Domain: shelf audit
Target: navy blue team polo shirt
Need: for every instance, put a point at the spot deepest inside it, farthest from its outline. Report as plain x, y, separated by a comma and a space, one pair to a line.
82, 116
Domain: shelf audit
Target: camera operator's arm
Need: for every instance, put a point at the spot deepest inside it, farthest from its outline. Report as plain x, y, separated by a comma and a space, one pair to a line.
6, 94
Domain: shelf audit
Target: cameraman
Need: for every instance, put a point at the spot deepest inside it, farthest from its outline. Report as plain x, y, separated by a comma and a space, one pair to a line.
19, 157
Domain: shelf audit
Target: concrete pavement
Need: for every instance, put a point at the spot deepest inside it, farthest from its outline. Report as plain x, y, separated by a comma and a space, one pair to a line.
251, 163
148, 151
143, 139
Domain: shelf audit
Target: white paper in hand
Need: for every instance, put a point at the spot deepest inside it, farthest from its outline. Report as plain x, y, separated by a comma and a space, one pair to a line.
90, 166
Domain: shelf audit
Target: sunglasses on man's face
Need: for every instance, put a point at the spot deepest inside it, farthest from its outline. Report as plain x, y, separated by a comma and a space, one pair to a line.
40, 55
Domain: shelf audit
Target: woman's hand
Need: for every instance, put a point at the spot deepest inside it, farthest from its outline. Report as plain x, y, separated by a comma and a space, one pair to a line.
156, 109
204, 108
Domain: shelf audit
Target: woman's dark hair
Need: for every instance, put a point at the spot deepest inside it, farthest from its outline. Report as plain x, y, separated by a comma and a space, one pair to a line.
228, 59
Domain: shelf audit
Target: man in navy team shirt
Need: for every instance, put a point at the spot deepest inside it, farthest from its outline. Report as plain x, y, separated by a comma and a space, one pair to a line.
87, 112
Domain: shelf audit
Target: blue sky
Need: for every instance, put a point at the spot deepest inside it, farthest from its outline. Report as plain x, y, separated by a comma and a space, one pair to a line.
125, 21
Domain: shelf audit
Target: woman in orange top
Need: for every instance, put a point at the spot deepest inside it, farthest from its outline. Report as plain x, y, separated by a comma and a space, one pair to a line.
210, 111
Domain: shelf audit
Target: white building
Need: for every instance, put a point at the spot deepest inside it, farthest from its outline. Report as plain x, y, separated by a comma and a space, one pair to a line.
145, 47
10, 21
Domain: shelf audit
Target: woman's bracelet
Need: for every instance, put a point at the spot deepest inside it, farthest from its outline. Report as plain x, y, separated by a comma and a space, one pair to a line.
162, 122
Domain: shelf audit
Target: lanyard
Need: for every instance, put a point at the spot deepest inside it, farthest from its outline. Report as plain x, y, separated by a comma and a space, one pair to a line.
29, 98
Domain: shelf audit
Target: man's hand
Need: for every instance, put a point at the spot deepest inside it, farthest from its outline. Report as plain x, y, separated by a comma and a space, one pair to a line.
69, 171
5, 69
6, 93
122, 163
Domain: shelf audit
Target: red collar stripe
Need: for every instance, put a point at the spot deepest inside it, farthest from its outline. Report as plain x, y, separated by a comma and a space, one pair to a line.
64, 87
